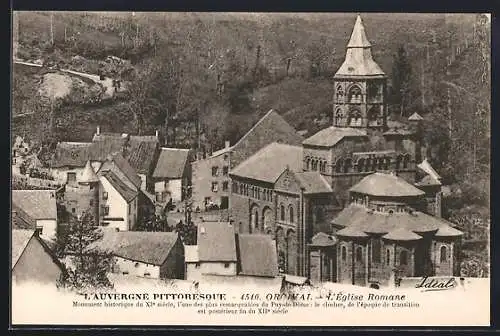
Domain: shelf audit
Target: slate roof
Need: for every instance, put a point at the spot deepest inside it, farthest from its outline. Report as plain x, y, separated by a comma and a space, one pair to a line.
269, 163
21, 220
104, 145
125, 191
171, 163
332, 135
74, 154
258, 255
191, 253
380, 184
142, 153
117, 161
313, 182
20, 239
359, 60
357, 218
322, 239
147, 247
401, 234
216, 242
38, 204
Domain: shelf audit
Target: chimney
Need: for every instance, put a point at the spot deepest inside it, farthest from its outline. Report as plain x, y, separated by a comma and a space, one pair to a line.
227, 144
98, 130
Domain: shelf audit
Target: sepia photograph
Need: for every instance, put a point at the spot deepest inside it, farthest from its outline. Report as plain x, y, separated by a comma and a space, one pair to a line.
255, 169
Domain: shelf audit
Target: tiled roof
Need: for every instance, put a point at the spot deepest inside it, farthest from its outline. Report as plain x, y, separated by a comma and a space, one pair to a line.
73, 154
330, 136
313, 182
106, 144
401, 234
258, 255
142, 153
147, 247
21, 220
270, 162
126, 192
118, 162
351, 232
38, 204
323, 239
216, 241
20, 239
360, 219
171, 163
380, 184
191, 253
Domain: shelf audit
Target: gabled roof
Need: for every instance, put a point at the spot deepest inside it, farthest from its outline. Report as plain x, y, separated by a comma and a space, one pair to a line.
415, 117
88, 174
332, 135
171, 163
147, 247
380, 184
117, 161
38, 204
125, 191
269, 163
357, 218
216, 242
104, 145
313, 182
142, 153
20, 239
258, 255
74, 154
21, 220
322, 239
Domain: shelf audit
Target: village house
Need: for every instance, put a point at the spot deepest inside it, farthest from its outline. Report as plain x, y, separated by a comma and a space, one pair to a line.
20, 148
211, 182
158, 255
384, 233
172, 175
38, 206
221, 251
32, 259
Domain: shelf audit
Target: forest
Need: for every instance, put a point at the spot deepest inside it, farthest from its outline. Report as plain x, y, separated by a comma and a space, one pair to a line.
203, 78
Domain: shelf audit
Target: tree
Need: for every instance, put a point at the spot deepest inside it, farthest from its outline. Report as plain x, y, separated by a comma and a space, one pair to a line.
154, 223
187, 232
401, 76
86, 268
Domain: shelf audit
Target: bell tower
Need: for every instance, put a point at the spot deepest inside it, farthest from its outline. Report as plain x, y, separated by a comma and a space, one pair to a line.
360, 86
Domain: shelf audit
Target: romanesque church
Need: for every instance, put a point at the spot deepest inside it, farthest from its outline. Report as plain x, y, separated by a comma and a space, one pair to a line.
355, 203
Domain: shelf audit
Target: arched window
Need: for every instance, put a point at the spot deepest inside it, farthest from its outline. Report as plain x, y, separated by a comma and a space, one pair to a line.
340, 93
403, 258
256, 222
308, 163
443, 254
354, 118
354, 94
339, 165
373, 164
290, 213
406, 161
314, 164
361, 165
388, 256
347, 165
387, 163
241, 189
359, 254
282, 212
338, 116
398, 162
380, 163
372, 115
376, 250
344, 253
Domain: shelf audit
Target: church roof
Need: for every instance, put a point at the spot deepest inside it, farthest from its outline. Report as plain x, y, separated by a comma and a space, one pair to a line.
322, 239
381, 184
401, 234
88, 174
358, 61
448, 231
313, 182
351, 232
332, 135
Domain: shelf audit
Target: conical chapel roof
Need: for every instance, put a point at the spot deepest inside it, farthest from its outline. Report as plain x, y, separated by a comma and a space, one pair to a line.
358, 36
88, 174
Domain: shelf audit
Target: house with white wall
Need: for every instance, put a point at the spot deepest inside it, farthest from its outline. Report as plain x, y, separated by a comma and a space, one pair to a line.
217, 248
172, 175
158, 255
40, 206
192, 262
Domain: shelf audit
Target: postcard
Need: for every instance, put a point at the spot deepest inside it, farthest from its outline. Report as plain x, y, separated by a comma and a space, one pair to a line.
250, 169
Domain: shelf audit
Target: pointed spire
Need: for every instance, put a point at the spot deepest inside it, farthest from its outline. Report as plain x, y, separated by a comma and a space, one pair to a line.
358, 36
88, 174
